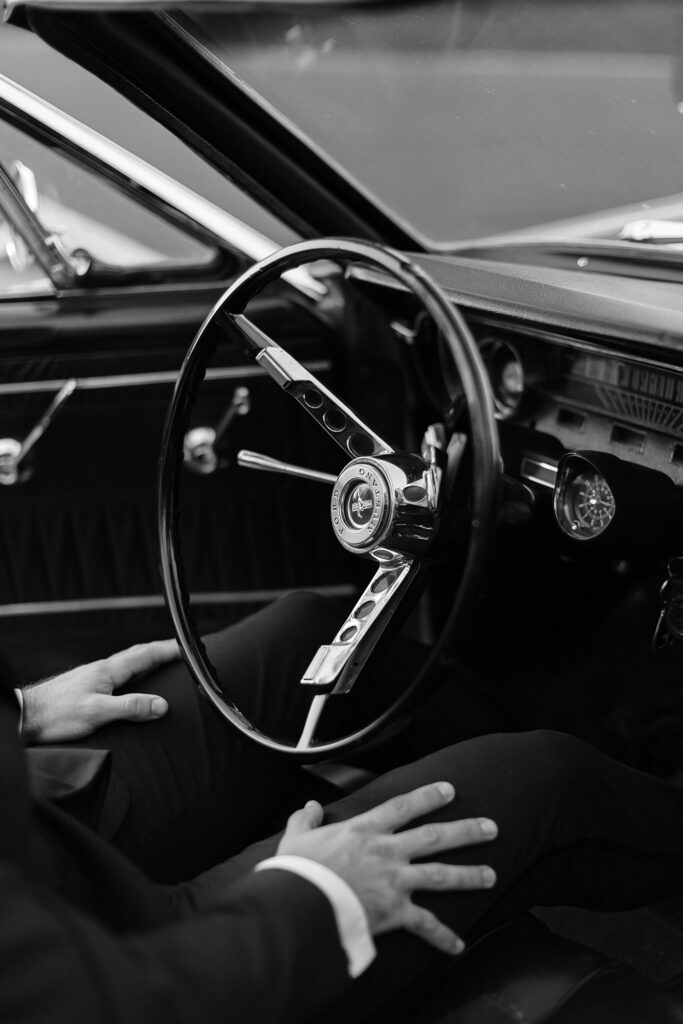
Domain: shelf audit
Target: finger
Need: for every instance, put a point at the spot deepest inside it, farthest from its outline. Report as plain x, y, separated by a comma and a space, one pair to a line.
446, 876
427, 926
134, 707
138, 660
305, 819
405, 808
438, 836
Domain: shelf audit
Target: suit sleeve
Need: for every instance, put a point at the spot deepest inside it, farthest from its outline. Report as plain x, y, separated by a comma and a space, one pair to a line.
264, 948
269, 952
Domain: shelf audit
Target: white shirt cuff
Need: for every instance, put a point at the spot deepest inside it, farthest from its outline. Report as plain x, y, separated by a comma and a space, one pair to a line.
352, 924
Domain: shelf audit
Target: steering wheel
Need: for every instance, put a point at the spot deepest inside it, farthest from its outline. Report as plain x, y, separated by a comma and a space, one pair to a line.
387, 506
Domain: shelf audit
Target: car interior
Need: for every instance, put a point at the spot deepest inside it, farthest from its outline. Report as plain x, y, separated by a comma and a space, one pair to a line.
174, 456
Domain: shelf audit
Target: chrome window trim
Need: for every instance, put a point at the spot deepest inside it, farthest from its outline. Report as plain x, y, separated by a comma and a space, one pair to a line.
146, 183
29, 291
82, 139
132, 380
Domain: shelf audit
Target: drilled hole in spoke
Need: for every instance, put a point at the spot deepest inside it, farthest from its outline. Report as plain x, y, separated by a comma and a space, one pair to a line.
335, 421
364, 610
360, 444
348, 633
414, 492
383, 583
312, 398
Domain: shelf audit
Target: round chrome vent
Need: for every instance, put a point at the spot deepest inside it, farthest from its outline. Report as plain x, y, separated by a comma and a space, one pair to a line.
506, 373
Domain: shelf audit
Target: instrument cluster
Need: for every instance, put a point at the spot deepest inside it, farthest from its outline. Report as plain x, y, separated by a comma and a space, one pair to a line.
602, 431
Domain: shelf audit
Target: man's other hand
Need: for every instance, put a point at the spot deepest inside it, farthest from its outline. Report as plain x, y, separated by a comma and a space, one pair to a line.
376, 863
73, 705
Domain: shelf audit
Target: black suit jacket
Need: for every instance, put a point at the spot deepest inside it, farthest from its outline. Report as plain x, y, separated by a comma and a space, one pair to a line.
85, 937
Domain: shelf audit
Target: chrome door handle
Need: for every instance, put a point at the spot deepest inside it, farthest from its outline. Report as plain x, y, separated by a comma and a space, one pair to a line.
201, 443
14, 452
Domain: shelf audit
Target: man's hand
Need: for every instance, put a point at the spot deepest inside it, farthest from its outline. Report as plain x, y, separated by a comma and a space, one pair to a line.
366, 854
75, 704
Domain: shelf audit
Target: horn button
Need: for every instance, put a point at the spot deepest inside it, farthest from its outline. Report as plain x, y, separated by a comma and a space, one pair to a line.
380, 500
361, 504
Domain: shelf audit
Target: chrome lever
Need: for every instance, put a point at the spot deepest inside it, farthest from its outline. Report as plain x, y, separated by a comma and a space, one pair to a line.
254, 460
13, 452
201, 443
239, 406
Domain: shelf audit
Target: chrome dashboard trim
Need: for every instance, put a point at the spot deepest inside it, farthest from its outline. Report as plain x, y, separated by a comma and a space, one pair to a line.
582, 345
651, 411
129, 380
532, 469
219, 597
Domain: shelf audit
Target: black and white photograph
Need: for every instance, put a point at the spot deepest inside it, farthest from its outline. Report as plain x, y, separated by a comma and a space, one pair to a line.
341, 512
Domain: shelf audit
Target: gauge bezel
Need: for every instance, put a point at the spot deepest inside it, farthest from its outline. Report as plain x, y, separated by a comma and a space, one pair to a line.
491, 349
648, 504
572, 466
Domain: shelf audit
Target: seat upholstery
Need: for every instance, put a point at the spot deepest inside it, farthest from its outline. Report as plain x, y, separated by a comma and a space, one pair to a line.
522, 973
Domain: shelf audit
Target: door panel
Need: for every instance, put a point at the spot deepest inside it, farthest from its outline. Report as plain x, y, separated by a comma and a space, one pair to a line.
78, 544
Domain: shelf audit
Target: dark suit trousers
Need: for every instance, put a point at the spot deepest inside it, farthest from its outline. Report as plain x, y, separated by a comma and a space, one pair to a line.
196, 791
575, 827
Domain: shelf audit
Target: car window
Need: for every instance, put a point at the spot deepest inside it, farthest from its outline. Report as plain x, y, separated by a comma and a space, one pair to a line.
88, 213
471, 118
28, 61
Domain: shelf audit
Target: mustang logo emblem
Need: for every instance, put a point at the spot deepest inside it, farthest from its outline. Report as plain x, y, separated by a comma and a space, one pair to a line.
360, 505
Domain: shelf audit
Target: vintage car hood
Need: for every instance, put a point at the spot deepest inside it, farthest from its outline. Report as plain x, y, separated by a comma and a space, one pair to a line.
146, 56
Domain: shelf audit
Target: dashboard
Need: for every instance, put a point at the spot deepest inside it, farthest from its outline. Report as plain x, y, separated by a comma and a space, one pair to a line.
620, 418
588, 397
586, 372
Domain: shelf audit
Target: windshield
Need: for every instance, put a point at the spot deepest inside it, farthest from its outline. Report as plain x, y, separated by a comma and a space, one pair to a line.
471, 118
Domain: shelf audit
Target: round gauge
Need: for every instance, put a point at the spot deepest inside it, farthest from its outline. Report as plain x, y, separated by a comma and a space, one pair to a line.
506, 374
584, 503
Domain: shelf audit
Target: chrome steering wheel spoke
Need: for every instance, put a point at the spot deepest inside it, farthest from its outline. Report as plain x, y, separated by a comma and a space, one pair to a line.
335, 667
337, 419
